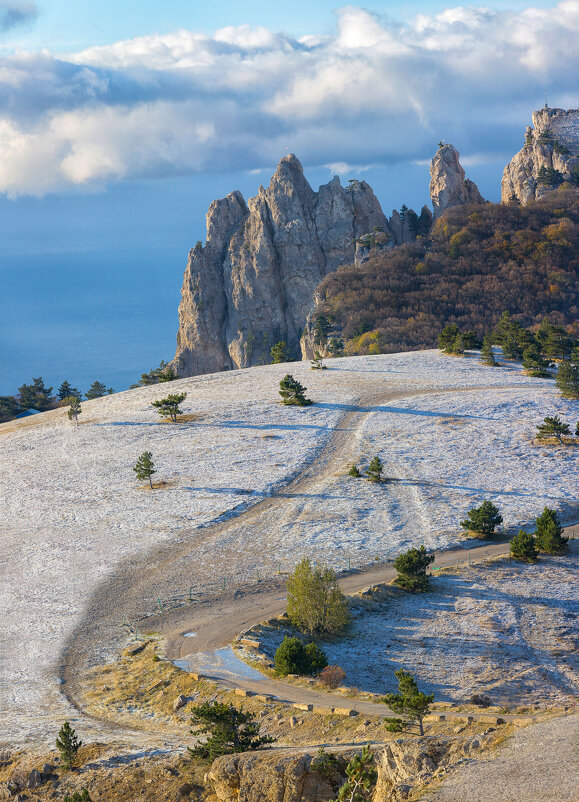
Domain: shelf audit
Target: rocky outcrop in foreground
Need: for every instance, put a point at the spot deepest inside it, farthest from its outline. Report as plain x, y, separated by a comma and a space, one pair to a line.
448, 186
252, 283
549, 157
403, 765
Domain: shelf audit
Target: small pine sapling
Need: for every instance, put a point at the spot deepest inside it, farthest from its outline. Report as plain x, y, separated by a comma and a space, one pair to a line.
355, 471
68, 745
549, 533
75, 409
486, 355
170, 407
278, 353
316, 658
534, 364
229, 730
482, 521
292, 392
362, 778
577, 429
553, 427
409, 701
411, 567
145, 467
317, 362
374, 470
567, 379
523, 548
78, 796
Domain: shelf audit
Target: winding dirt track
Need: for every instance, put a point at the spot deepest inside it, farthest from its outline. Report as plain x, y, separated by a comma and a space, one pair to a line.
219, 617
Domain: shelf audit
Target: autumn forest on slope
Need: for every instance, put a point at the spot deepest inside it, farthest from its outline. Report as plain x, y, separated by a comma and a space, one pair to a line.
478, 261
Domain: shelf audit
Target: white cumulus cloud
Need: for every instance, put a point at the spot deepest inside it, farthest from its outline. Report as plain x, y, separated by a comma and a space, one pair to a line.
374, 92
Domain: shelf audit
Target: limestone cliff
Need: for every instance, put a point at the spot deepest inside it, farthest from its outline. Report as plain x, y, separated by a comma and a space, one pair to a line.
252, 283
448, 186
549, 157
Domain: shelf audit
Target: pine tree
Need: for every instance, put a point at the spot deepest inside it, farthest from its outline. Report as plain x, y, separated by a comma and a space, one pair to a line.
67, 391
523, 547
486, 355
447, 337
355, 471
335, 347
35, 395
145, 467
96, 390
230, 730
82, 796
362, 778
549, 533
68, 745
292, 392
411, 567
315, 603
482, 521
169, 407
409, 701
534, 363
553, 427
317, 362
279, 353
374, 470
75, 409
567, 379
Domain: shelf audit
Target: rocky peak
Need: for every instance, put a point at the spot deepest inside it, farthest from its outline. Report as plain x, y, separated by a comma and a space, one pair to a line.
448, 186
253, 282
549, 157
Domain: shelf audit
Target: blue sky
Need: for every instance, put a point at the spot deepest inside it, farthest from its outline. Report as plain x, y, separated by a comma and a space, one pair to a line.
76, 24
121, 121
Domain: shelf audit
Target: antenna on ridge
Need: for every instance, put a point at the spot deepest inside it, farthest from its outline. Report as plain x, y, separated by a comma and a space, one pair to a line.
546, 105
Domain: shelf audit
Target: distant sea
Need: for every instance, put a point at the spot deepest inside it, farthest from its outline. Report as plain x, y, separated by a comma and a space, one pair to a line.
84, 316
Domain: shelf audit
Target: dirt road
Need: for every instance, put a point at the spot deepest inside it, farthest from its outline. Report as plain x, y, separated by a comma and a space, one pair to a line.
220, 616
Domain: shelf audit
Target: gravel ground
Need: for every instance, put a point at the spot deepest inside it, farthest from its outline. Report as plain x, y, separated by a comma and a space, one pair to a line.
537, 764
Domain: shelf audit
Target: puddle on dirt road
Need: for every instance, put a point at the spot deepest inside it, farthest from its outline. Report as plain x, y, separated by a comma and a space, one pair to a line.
222, 663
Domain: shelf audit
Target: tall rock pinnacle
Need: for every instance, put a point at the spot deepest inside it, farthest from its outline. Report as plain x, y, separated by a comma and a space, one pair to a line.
549, 157
448, 186
252, 283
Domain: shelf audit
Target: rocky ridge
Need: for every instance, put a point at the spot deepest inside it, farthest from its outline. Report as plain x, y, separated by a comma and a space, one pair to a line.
252, 283
549, 157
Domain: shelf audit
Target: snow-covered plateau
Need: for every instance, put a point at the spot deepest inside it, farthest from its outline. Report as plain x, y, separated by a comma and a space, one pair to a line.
451, 431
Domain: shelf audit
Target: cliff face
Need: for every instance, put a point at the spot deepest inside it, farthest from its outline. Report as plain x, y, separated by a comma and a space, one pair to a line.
253, 282
448, 186
549, 156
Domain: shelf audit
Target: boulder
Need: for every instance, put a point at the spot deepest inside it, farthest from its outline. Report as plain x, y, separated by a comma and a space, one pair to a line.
180, 702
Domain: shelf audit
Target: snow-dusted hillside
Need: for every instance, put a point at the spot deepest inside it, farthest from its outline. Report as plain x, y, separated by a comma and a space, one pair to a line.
73, 509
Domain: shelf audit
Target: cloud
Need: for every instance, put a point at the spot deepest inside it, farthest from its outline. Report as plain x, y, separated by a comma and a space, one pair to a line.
373, 93
16, 12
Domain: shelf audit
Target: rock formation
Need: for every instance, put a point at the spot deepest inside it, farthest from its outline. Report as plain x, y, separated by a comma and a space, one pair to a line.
404, 766
448, 186
549, 157
253, 282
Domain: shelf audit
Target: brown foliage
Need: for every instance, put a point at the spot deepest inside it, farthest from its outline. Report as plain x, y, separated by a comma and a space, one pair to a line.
479, 261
